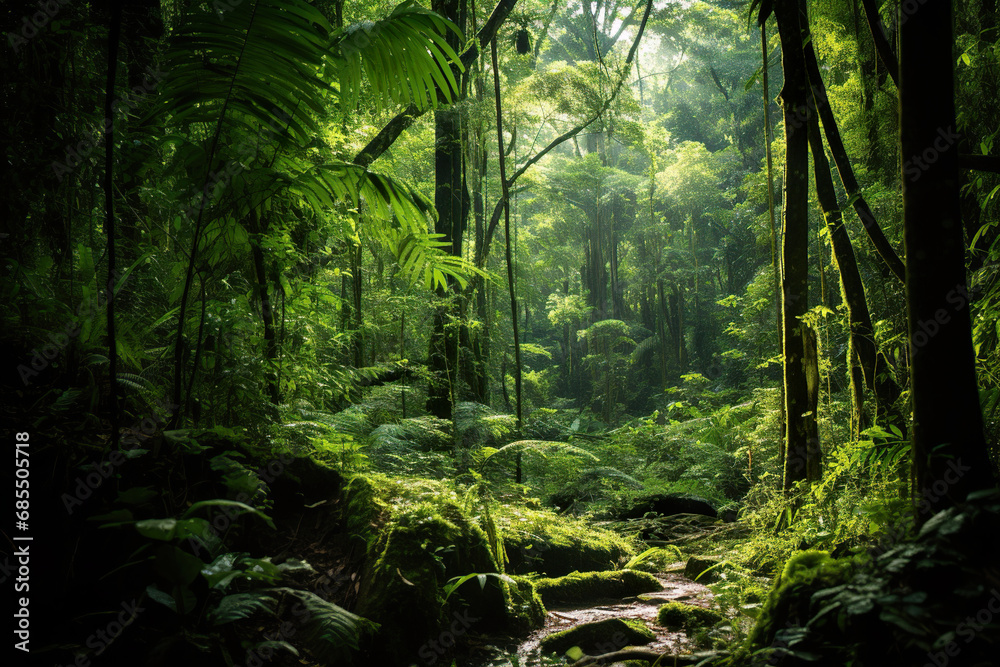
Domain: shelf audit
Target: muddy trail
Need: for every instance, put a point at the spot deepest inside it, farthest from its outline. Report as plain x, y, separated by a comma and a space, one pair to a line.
644, 607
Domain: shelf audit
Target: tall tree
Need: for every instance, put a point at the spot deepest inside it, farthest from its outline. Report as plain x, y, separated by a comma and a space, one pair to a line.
451, 200
949, 449
795, 97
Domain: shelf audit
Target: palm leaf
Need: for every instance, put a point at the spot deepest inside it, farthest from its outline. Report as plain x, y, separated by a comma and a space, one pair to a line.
404, 58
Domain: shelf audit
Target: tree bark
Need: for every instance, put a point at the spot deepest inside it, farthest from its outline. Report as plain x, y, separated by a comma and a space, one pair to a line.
507, 248
846, 172
863, 356
450, 203
795, 243
949, 450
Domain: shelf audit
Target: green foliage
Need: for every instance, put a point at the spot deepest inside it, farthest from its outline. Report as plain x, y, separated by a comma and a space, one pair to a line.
540, 541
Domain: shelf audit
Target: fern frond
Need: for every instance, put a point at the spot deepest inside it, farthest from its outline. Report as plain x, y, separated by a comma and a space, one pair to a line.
331, 633
643, 349
241, 605
594, 474
537, 446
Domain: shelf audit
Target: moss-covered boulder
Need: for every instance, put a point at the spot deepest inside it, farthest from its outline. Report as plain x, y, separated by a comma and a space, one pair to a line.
665, 504
583, 586
526, 611
788, 602
703, 570
687, 617
600, 637
419, 537
542, 541
928, 600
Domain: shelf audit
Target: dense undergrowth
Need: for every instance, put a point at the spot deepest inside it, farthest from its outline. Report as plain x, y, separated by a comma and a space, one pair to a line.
366, 535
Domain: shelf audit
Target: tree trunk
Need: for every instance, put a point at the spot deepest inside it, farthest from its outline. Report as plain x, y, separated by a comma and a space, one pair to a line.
864, 360
775, 263
507, 250
266, 313
795, 243
450, 203
881, 244
949, 450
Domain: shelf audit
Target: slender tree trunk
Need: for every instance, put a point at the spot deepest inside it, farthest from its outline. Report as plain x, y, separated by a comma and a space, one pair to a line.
114, 395
661, 330
266, 312
449, 201
357, 324
949, 450
795, 243
879, 241
775, 260
810, 363
866, 363
507, 248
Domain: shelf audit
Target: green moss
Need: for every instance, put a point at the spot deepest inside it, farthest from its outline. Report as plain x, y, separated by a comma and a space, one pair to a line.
600, 637
581, 586
525, 611
420, 547
361, 508
686, 616
703, 570
421, 537
542, 541
788, 602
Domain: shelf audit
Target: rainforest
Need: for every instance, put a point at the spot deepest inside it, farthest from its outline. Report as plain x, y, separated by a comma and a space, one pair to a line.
441, 333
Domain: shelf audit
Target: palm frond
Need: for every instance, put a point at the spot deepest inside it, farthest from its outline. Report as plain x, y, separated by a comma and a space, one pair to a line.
399, 218
404, 58
260, 64
644, 348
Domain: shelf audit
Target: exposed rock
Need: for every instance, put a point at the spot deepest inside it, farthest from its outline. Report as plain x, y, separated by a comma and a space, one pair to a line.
666, 504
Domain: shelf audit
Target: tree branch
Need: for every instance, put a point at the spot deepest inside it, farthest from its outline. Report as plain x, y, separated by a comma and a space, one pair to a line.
846, 172
882, 46
649, 656
498, 209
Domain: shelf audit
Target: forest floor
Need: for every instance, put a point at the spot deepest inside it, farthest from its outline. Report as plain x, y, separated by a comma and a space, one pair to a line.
676, 588
501, 651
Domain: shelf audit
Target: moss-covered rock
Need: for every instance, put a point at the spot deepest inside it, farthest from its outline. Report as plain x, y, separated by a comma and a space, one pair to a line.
687, 617
788, 602
419, 537
582, 586
599, 637
416, 548
526, 611
542, 541
702, 570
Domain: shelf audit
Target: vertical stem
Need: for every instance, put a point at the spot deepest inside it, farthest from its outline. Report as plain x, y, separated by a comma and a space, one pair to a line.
506, 226
109, 212
775, 260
